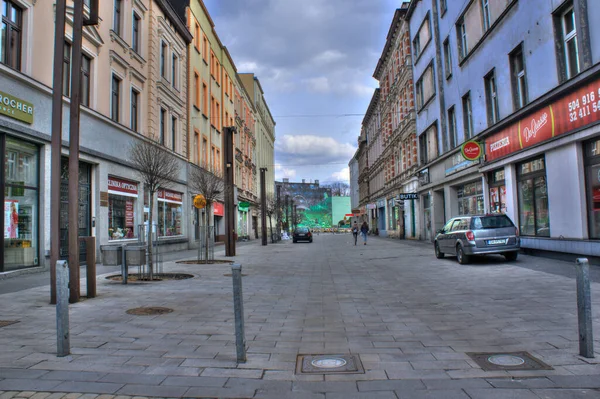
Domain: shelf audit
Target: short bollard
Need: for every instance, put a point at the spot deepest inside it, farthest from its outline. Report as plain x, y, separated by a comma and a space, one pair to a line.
124, 271
584, 308
62, 309
238, 309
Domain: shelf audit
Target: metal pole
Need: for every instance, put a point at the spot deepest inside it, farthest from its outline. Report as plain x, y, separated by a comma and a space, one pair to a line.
263, 205
238, 309
63, 345
228, 166
278, 213
57, 108
74, 152
124, 268
584, 308
287, 219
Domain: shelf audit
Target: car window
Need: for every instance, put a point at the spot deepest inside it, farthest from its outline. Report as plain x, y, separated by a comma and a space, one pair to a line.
448, 226
491, 222
460, 224
302, 230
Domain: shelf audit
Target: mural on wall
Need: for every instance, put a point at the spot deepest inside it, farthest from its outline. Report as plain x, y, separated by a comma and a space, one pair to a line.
313, 204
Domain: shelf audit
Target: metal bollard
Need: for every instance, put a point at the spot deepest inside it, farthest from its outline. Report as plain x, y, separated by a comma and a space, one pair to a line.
584, 308
62, 309
90, 269
238, 309
124, 270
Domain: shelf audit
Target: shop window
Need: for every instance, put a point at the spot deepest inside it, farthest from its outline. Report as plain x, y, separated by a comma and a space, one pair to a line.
470, 199
122, 198
20, 206
533, 199
497, 191
592, 168
170, 208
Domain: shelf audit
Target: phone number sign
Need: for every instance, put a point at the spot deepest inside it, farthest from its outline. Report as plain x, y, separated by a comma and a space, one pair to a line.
575, 110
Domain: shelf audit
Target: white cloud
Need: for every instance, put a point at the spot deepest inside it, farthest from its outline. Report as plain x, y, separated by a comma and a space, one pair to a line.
318, 85
283, 172
342, 175
312, 150
328, 57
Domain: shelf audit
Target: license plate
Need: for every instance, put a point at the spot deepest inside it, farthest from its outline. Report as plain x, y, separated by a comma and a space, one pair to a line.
496, 242
301, 235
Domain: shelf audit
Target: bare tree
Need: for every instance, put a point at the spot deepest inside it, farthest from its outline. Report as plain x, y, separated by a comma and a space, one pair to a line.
157, 168
207, 181
339, 189
271, 210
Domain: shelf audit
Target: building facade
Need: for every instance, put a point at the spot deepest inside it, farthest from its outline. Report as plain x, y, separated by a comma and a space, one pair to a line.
521, 79
354, 186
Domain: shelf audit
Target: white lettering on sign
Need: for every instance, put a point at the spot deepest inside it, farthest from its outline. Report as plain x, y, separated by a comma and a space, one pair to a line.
16, 104
504, 142
120, 185
536, 125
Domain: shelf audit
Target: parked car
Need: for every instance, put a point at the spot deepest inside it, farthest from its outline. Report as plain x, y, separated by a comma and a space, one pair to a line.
465, 236
302, 234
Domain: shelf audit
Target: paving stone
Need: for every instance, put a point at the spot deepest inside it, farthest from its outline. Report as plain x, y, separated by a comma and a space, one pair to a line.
195, 381
151, 379
437, 394
152, 390
525, 383
567, 393
236, 373
72, 376
290, 395
12, 384
361, 395
395, 385
20, 373
41, 395
457, 384
8, 395
501, 394
212, 392
583, 381
81, 386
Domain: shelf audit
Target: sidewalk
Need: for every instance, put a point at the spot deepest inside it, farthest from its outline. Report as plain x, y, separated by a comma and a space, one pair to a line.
410, 318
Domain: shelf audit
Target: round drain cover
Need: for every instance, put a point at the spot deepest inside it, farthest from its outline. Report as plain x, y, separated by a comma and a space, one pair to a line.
328, 362
506, 360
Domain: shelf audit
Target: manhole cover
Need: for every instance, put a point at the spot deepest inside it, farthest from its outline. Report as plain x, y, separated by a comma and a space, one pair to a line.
329, 364
4, 323
508, 361
150, 311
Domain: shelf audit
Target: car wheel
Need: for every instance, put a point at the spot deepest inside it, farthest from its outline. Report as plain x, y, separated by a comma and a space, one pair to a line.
460, 255
511, 256
438, 253
294, 241
310, 241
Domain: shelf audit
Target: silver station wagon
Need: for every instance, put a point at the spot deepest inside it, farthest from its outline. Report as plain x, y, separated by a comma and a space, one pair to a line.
465, 236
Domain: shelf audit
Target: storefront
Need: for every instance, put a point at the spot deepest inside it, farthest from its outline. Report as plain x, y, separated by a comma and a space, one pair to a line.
122, 205
427, 216
20, 194
219, 213
592, 185
533, 198
381, 218
470, 198
243, 231
170, 210
497, 191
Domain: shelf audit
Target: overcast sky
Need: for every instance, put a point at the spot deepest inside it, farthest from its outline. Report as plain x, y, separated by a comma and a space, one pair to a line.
315, 60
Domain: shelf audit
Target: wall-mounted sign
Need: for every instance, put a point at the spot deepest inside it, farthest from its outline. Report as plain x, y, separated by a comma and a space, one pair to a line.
122, 187
423, 177
243, 206
129, 213
16, 108
170, 196
572, 111
381, 203
199, 201
407, 196
218, 209
371, 206
456, 163
471, 150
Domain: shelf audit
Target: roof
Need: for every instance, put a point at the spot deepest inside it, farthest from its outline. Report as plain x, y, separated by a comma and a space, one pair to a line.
175, 12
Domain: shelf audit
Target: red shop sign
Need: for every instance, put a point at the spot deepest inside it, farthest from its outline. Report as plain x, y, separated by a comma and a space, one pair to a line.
172, 196
219, 209
575, 110
121, 186
129, 213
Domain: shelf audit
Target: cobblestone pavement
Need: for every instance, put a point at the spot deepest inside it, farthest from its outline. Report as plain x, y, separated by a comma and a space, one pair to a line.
409, 317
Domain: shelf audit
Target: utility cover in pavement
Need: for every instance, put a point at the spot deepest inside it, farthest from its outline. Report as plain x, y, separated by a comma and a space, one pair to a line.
151, 311
329, 364
508, 361
4, 323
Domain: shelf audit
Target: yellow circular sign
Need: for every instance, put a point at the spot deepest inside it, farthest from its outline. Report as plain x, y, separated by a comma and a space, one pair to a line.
199, 201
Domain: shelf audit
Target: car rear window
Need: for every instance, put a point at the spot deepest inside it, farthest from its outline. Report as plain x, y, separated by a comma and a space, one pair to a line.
303, 230
491, 222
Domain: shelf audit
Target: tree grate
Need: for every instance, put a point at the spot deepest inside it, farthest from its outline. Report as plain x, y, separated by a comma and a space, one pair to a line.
150, 311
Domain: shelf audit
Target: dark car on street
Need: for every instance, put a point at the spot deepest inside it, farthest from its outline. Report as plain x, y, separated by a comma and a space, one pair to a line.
465, 236
302, 234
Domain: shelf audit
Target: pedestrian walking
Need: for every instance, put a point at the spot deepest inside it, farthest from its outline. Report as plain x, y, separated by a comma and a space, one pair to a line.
355, 232
364, 229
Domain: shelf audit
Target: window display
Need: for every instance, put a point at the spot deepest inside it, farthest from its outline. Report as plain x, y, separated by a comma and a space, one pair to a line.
592, 169
533, 199
170, 208
20, 205
122, 196
470, 199
497, 192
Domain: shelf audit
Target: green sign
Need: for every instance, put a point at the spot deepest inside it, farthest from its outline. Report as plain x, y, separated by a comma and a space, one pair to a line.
16, 108
243, 206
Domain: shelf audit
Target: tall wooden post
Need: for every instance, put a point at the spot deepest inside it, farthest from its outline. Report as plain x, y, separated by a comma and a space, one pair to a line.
263, 205
228, 167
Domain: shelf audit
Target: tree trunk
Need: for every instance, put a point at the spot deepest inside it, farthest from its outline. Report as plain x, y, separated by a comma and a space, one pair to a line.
206, 235
271, 227
150, 226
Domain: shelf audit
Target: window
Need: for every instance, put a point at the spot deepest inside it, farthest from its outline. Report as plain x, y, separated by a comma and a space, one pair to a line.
161, 133
173, 132
205, 99
196, 148
197, 35
470, 199
86, 68
204, 48
163, 59
196, 88
423, 148
422, 37
461, 31
534, 219
115, 98
134, 110
497, 191
170, 211
122, 197
517, 72
592, 174
452, 127
135, 33
67, 71
443, 7
569, 38
491, 95
174, 66
485, 12
425, 88
416, 47
447, 58
467, 116
204, 151
117, 17
12, 25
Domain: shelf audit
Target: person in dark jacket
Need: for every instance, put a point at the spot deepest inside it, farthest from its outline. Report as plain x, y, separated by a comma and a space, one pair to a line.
355, 232
364, 229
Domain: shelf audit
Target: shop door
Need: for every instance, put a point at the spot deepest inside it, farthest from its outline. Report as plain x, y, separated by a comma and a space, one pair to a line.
85, 182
